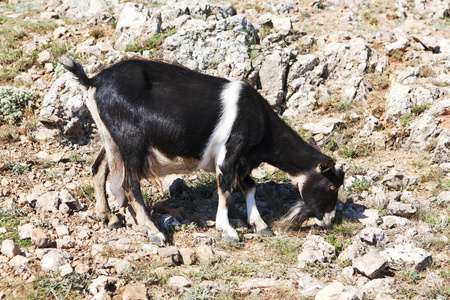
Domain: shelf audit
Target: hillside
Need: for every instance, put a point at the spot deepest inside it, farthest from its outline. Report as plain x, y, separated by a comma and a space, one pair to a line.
369, 80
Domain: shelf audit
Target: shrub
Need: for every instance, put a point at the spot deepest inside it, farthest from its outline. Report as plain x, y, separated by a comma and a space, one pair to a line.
12, 101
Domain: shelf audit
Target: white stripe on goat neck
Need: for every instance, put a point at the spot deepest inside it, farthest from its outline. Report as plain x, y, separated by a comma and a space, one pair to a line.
216, 151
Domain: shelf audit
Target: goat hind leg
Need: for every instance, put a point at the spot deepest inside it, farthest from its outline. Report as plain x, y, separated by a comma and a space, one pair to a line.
100, 172
132, 190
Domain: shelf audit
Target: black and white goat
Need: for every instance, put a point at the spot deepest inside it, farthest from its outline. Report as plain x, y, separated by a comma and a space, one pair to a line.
156, 118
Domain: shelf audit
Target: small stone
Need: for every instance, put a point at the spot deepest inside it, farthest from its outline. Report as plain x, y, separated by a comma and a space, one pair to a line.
65, 270
170, 255
59, 32
315, 249
370, 264
390, 222
337, 290
10, 249
374, 236
49, 15
25, 231
369, 217
19, 263
53, 260
204, 239
135, 292
433, 280
206, 255
65, 243
44, 57
48, 202
62, 230
187, 255
401, 209
309, 286
40, 238
177, 283
102, 284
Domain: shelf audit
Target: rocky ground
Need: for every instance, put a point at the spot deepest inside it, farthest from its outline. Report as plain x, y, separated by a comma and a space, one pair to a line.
369, 80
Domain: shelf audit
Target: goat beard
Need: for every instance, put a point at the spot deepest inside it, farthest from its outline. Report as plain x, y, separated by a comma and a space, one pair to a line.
296, 215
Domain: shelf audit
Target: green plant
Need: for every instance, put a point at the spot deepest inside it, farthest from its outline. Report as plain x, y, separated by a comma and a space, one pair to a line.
347, 152
285, 249
337, 244
397, 54
410, 276
61, 287
85, 191
74, 157
10, 220
359, 185
17, 168
357, 170
12, 101
343, 106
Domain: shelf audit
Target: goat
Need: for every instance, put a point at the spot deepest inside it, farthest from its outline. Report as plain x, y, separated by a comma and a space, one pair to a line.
156, 118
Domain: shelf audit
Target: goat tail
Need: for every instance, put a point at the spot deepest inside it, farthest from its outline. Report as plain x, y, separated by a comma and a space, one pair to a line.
76, 69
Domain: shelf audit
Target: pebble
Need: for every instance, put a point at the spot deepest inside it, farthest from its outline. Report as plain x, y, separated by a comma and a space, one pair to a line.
10, 249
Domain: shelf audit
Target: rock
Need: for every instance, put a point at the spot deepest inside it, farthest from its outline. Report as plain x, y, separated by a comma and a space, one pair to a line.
48, 202
337, 290
201, 239
379, 287
135, 292
170, 255
64, 107
390, 222
88, 50
429, 43
10, 249
400, 45
62, 230
178, 283
169, 222
258, 283
356, 249
315, 249
122, 266
369, 217
432, 125
187, 255
59, 32
371, 264
439, 9
272, 76
65, 270
403, 98
396, 180
51, 261
401, 209
309, 286
40, 238
102, 284
19, 263
86, 9
444, 197
25, 231
324, 126
433, 280
357, 89
44, 57
223, 44
206, 255
65, 243
374, 236
47, 15
406, 255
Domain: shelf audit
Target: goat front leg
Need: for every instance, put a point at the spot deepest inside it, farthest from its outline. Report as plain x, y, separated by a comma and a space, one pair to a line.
224, 187
132, 190
253, 217
100, 171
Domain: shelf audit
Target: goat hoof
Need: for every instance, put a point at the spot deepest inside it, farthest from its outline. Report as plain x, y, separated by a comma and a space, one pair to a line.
115, 222
158, 239
265, 232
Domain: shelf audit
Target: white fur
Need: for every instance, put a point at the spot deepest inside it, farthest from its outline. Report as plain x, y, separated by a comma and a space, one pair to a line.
327, 218
216, 151
253, 215
299, 180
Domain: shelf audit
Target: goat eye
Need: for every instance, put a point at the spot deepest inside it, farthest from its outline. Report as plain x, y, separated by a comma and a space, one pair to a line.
332, 187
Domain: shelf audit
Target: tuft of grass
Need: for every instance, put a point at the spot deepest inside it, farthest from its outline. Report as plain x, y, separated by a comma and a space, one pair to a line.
97, 32
343, 106
151, 43
347, 152
360, 185
17, 168
12, 101
10, 220
336, 242
285, 249
85, 191
204, 187
69, 287
410, 276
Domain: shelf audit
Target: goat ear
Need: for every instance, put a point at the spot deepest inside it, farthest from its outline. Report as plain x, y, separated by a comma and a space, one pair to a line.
325, 166
312, 143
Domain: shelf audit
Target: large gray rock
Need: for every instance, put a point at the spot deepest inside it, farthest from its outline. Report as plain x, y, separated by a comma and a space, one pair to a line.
85, 9
337, 291
403, 98
53, 260
215, 47
440, 9
64, 108
136, 22
407, 255
432, 125
309, 286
